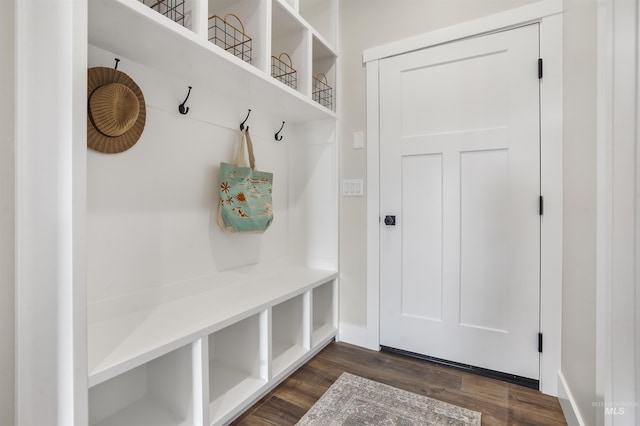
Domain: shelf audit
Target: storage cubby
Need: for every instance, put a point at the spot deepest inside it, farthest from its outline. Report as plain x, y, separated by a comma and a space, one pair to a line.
321, 14
289, 332
158, 393
178, 11
324, 324
324, 62
237, 364
290, 36
253, 15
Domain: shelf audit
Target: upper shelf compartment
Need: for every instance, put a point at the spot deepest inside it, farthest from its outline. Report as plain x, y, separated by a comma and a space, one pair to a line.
239, 27
321, 14
290, 49
324, 74
135, 31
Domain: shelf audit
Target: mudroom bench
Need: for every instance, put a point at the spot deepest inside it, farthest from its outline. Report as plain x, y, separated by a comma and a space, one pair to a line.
181, 332
204, 358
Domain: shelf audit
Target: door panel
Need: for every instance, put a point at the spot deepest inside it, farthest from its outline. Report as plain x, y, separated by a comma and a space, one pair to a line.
484, 212
422, 207
478, 98
460, 169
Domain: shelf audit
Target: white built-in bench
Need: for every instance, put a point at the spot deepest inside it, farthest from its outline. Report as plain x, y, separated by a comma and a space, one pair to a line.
205, 357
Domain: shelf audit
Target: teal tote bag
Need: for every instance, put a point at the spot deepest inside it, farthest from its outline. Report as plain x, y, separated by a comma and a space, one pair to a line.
245, 193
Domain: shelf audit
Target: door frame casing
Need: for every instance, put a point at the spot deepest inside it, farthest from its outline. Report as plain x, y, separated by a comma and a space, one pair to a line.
548, 13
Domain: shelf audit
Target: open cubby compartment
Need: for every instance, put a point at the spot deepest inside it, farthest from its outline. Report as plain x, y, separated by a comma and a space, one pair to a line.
238, 365
158, 393
324, 62
178, 11
324, 312
290, 337
322, 16
289, 35
253, 15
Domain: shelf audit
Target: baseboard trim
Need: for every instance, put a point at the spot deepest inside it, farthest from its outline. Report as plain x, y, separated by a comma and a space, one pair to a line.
510, 378
353, 334
568, 403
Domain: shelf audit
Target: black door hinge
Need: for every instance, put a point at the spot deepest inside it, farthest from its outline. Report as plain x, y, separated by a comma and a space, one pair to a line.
541, 206
539, 68
540, 342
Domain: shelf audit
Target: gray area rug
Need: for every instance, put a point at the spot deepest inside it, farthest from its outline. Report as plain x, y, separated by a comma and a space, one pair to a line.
354, 400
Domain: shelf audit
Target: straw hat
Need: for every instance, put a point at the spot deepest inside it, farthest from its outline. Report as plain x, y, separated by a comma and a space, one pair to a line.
116, 110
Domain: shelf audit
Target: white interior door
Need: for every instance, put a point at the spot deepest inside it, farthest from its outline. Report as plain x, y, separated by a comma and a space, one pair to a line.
460, 171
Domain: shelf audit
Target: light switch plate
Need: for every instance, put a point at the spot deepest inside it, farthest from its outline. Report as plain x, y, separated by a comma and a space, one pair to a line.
358, 140
352, 187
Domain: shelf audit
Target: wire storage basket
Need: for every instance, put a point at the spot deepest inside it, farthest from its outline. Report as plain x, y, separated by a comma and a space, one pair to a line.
229, 37
321, 92
172, 9
284, 72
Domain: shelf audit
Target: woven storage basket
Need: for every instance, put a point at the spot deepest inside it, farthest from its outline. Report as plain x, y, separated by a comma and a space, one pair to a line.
283, 71
322, 93
172, 9
229, 37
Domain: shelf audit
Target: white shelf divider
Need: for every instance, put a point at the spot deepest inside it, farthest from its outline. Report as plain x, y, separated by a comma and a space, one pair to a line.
201, 398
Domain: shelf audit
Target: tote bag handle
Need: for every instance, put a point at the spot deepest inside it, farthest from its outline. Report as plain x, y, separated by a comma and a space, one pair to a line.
240, 162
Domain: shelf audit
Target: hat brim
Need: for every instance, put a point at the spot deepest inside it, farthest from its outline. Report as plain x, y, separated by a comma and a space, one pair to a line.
99, 76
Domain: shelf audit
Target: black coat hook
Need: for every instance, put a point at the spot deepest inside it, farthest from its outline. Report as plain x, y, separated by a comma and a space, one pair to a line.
116, 67
181, 108
245, 120
278, 137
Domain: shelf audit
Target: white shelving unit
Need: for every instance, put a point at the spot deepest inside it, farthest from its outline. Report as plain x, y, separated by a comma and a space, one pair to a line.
178, 335
116, 25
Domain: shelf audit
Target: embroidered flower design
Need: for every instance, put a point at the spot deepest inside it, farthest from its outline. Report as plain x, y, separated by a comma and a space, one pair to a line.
224, 187
229, 200
240, 197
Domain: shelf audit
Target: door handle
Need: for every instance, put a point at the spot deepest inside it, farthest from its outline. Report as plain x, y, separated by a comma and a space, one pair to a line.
390, 220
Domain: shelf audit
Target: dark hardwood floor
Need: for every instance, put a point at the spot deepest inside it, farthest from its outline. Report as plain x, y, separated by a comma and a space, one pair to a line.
500, 403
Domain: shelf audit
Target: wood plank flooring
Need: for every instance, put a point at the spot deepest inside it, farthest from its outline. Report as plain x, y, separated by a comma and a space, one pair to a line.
500, 403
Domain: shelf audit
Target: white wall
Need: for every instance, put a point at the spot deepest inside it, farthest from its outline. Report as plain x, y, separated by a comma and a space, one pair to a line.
365, 24
152, 210
579, 236
171, 234
7, 208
